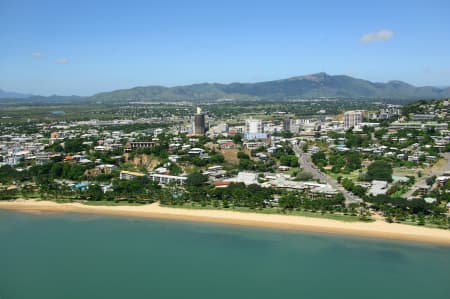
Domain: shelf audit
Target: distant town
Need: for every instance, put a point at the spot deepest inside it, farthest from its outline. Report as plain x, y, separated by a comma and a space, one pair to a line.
353, 161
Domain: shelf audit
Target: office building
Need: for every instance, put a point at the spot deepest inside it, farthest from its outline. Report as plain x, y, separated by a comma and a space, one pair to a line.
353, 118
199, 126
254, 126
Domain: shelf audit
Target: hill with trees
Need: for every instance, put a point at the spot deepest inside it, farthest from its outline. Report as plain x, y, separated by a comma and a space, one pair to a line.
309, 86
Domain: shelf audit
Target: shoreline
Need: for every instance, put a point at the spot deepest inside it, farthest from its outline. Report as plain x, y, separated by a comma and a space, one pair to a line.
378, 229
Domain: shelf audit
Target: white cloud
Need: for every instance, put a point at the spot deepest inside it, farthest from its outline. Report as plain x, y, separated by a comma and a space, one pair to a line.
62, 61
37, 54
377, 36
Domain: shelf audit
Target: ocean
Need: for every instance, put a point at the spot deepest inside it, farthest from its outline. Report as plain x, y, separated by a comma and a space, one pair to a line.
77, 256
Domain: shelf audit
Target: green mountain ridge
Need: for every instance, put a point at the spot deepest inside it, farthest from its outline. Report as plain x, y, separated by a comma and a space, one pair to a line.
320, 85
309, 86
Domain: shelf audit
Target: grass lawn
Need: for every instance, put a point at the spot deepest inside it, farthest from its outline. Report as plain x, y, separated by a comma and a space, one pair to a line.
352, 175
406, 172
427, 224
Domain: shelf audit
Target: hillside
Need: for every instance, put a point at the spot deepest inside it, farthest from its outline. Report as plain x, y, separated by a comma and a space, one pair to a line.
316, 85
309, 86
12, 95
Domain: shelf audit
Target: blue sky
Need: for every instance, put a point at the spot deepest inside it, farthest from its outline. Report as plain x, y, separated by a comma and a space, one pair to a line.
83, 47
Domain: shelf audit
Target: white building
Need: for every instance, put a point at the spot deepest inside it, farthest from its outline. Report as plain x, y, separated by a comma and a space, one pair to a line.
167, 179
353, 118
254, 126
378, 188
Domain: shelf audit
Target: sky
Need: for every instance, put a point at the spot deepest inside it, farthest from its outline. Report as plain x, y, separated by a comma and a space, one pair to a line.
84, 47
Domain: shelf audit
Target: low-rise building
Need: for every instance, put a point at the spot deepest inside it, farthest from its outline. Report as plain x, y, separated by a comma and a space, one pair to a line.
167, 179
378, 188
140, 144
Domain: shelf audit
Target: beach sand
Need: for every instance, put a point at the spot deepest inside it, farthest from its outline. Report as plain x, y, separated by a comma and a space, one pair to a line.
377, 229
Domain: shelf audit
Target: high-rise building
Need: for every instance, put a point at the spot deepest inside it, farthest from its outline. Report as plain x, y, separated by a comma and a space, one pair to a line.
353, 118
199, 126
254, 126
291, 125
287, 124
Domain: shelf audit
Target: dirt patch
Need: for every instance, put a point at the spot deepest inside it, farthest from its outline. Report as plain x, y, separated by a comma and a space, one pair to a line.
230, 155
147, 161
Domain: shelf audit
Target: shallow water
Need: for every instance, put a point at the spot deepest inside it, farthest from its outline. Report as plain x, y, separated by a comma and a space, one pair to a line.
88, 256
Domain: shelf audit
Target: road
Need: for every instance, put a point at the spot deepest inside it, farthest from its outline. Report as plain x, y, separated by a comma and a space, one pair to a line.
436, 170
307, 165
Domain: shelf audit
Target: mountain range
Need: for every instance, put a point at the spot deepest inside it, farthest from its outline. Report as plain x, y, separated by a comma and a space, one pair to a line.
309, 86
13, 95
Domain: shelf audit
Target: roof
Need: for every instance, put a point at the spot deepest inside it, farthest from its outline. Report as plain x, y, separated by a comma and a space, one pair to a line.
132, 173
325, 189
430, 199
396, 178
247, 178
378, 187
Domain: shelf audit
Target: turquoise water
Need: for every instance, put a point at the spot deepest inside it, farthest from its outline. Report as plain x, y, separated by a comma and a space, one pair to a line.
85, 256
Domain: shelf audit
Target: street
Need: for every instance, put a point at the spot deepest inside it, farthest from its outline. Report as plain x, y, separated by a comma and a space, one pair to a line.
307, 165
436, 170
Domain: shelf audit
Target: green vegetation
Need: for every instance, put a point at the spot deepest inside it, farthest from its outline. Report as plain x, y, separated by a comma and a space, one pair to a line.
319, 158
327, 215
379, 170
72, 167
323, 85
345, 162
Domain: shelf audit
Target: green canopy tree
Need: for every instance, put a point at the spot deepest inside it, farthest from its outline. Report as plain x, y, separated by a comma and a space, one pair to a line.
380, 170
196, 179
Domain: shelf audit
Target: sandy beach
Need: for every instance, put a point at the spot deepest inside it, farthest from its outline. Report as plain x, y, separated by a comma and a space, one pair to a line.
377, 229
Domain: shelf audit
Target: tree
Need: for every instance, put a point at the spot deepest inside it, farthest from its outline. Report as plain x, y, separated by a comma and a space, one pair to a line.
8, 174
242, 155
174, 169
380, 133
196, 179
246, 164
304, 176
430, 180
216, 158
359, 190
8, 194
74, 145
353, 160
389, 219
288, 201
289, 160
319, 158
339, 198
305, 148
421, 220
347, 184
294, 161
95, 192
380, 170
237, 138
